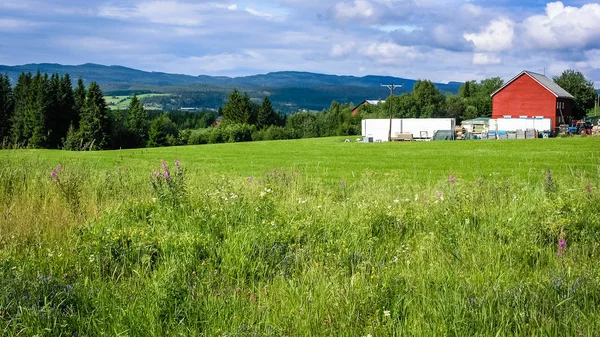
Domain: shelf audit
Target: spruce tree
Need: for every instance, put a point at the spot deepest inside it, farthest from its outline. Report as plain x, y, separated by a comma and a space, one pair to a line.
79, 101
238, 108
66, 99
53, 113
36, 129
6, 108
137, 123
266, 114
19, 117
94, 126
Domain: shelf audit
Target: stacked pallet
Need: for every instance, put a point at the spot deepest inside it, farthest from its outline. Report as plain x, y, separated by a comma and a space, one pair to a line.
520, 134
530, 133
460, 131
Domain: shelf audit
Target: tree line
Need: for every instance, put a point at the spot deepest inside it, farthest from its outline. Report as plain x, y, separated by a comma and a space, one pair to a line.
44, 111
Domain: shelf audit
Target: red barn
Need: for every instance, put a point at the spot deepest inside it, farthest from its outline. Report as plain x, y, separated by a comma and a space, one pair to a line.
531, 95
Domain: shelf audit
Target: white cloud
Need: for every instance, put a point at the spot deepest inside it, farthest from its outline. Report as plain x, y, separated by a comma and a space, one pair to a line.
163, 12
472, 9
355, 9
563, 27
259, 13
485, 59
497, 36
388, 52
17, 24
342, 49
98, 44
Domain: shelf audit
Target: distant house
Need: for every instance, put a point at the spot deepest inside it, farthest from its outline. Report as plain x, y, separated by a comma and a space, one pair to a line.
365, 102
532, 95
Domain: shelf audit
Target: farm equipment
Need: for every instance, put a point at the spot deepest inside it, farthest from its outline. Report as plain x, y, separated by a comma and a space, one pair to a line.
581, 127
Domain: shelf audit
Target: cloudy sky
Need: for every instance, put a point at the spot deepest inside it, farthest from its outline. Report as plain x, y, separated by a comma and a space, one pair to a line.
441, 40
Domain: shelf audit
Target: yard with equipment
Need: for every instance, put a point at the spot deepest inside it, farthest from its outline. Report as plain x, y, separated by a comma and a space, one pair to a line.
303, 237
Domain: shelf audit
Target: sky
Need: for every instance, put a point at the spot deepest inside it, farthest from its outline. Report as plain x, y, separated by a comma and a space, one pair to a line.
439, 40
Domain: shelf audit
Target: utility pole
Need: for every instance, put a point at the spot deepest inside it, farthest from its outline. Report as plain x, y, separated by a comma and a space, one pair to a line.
391, 87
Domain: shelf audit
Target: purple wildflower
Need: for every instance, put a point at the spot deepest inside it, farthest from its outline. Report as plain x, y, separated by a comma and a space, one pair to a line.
156, 174
588, 188
166, 174
250, 179
58, 168
562, 244
451, 179
164, 165
343, 182
54, 175
177, 163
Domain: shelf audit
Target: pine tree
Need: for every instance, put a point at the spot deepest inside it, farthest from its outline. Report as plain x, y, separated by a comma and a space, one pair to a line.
6, 108
163, 132
66, 99
19, 117
266, 114
137, 122
238, 108
79, 101
36, 129
94, 126
53, 113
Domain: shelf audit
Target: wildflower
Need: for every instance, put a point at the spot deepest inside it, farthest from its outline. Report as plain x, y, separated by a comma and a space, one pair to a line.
588, 188
164, 165
250, 179
386, 313
343, 183
58, 168
166, 174
177, 163
54, 175
156, 174
451, 179
562, 244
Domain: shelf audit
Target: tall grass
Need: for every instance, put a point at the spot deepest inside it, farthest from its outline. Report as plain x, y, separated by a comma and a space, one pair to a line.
113, 251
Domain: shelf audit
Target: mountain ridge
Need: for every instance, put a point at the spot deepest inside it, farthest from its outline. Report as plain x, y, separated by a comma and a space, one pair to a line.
288, 90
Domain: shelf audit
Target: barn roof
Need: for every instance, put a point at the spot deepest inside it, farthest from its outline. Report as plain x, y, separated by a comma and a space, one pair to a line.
542, 80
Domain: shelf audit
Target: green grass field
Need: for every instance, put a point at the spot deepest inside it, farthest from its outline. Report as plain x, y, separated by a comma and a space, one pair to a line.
122, 102
312, 237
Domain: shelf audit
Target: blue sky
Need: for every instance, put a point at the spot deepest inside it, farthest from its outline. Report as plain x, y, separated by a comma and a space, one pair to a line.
441, 40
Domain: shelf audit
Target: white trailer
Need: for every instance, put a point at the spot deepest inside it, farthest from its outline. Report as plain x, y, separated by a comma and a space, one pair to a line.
514, 124
377, 130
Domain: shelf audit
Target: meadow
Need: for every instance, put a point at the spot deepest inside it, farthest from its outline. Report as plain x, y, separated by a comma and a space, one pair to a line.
312, 237
122, 102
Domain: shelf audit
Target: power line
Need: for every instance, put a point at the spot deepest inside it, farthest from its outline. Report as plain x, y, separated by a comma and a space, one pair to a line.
391, 87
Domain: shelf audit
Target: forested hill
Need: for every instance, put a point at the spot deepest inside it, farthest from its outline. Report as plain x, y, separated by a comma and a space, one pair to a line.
289, 90
118, 75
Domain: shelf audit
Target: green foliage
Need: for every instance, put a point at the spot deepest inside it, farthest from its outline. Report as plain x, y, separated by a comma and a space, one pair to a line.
266, 115
137, 123
94, 125
581, 88
163, 132
7, 107
238, 109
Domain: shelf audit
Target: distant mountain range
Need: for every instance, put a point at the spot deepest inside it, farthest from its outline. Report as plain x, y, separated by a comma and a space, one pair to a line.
289, 90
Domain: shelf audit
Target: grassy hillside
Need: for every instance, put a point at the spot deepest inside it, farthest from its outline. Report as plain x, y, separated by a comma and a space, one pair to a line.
122, 102
306, 237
